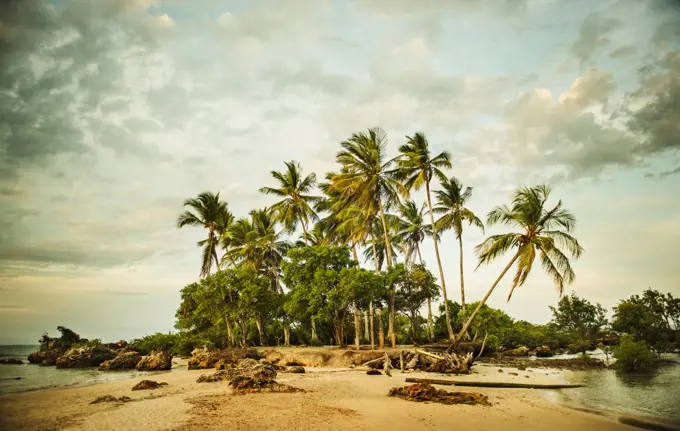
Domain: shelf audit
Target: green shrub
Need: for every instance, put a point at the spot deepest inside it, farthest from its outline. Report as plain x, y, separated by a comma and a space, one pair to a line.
492, 345
634, 356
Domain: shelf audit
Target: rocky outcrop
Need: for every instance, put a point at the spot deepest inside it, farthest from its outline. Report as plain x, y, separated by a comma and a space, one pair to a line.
147, 385
543, 352
82, 357
45, 357
520, 351
244, 367
11, 361
208, 357
155, 361
124, 361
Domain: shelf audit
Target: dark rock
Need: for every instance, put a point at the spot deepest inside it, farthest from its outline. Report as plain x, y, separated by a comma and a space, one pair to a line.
245, 367
124, 361
82, 357
520, 351
11, 361
522, 367
500, 370
296, 370
543, 352
45, 357
512, 373
373, 373
155, 361
148, 384
111, 399
208, 357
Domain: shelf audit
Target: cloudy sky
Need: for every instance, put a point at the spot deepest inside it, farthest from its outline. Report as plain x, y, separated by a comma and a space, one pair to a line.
113, 112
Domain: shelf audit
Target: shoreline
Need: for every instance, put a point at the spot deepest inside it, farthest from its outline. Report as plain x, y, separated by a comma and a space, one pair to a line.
335, 398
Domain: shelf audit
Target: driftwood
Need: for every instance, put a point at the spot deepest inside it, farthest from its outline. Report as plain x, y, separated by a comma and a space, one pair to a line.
387, 365
401, 360
490, 384
373, 363
449, 362
413, 362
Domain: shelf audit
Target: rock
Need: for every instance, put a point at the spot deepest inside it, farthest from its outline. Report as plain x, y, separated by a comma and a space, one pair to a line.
520, 351
373, 373
111, 399
296, 370
148, 384
543, 352
245, 367
247, 385
82, 357
155, 361
45, 357
522, 367
500, 370
208, 357
526, 377
11, 361
512, 373
124, 361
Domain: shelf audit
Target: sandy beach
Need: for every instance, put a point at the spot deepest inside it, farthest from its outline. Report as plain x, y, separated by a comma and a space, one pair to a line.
335, 399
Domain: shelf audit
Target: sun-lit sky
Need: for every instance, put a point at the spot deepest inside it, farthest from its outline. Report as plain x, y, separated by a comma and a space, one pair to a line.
113, 112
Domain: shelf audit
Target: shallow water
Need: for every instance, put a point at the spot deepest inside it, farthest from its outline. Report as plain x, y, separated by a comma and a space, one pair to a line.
654, 395
35, 377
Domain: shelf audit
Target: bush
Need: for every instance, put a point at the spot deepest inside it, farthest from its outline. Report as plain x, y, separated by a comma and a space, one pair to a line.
492, 345
634, 356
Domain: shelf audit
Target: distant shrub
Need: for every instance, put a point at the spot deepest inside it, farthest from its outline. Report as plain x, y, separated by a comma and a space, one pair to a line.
634, 356
316, 343
178, 344
492, 345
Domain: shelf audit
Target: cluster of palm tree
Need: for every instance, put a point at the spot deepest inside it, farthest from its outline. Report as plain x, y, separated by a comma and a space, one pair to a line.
367, 205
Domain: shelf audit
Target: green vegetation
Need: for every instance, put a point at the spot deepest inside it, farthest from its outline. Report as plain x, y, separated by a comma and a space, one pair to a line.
272, 287
634, 356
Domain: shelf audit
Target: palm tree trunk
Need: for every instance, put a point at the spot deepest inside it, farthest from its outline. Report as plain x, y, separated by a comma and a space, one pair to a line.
430, 325
388, 251
260, 330
286, 336
371, 324
449, 328
304, 231
314, 335
462, 279
244, 333
370, 305
357, 327
366, 336
381, 330
230, 332
468, 322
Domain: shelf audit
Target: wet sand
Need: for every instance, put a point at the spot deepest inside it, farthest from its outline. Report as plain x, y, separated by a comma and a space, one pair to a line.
336, 399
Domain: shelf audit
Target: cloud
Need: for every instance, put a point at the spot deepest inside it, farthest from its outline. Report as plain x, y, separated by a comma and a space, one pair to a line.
664, 173
658, 118
593, 35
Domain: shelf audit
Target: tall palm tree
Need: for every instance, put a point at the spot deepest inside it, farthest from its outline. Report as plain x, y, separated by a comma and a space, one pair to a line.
211, 214
296, 205
411, 231
367, 181
542, 232
451, 202
417, 168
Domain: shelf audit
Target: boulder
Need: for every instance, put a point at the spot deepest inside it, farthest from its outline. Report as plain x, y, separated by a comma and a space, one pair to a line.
154, 361
208, 357
543, 352
11, 361
124, 361
520, 351
45, 357
148, 384
82, 357
245, 367
296, 370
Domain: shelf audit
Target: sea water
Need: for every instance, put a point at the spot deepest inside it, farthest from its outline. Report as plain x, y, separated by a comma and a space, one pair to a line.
30, 377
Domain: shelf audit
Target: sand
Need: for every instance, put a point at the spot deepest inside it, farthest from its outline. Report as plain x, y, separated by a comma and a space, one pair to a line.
336, 399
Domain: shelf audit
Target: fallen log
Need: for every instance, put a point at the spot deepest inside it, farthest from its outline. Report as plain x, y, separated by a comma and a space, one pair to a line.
431, 355
491, 384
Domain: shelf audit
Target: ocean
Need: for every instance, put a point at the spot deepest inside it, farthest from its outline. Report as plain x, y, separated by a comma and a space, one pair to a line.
28, 377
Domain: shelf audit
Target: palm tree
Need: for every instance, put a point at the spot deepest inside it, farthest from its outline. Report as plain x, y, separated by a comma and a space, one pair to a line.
211, 214
412, 231
451, 202
367, 182
416, 167
296, 205
542, 233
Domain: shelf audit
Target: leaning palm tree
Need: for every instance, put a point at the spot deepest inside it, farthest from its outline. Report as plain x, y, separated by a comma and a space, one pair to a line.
451, 202
542, 232
211, 214
367, 181
296, 205
417, 168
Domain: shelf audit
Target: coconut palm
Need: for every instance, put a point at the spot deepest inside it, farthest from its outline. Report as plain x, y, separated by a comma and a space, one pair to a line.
296, 205
412, 230
451, 202
367, 181
417, 168
212, 214
542, 232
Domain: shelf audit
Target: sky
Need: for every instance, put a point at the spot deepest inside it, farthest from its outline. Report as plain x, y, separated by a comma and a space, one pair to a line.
113, 112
